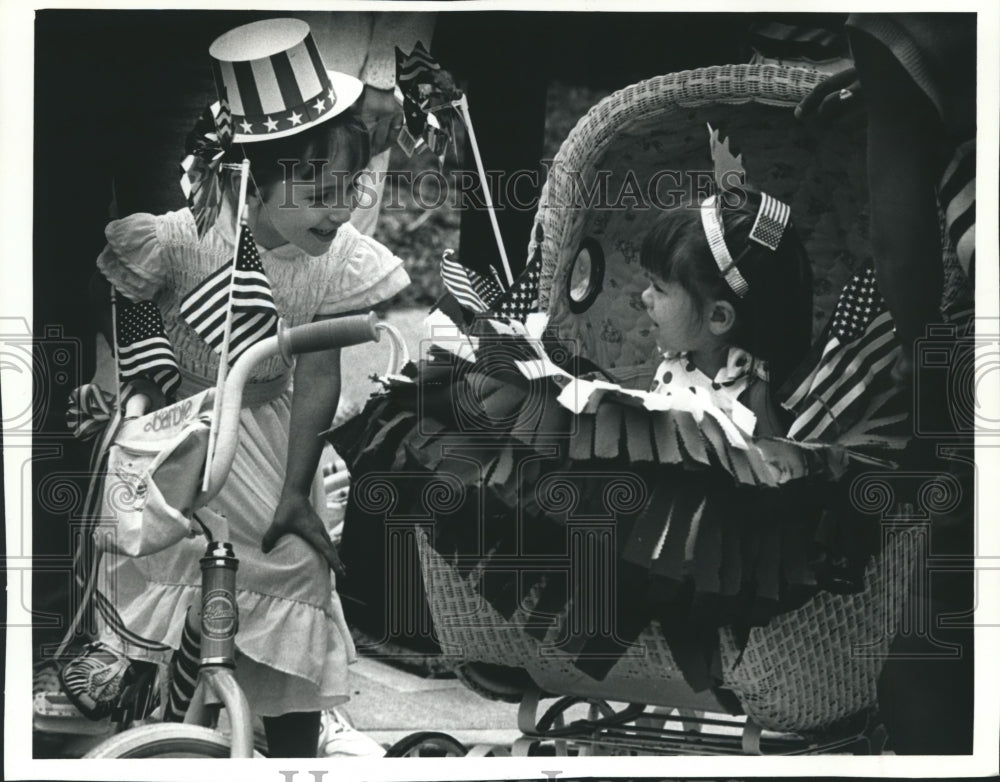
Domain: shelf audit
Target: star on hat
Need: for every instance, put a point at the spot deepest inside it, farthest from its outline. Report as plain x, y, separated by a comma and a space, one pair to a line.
273, 69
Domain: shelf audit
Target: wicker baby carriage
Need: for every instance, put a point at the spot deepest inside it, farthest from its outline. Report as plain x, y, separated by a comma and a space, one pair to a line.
808, 669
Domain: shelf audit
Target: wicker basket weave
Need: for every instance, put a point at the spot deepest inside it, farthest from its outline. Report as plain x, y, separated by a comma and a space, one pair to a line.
806, 669
657, 126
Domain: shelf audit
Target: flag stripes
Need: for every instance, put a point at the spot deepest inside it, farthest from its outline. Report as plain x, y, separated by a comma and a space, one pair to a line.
224, 123
254, 314
143, 347
957, 195
844, 373
474, 291
772, 217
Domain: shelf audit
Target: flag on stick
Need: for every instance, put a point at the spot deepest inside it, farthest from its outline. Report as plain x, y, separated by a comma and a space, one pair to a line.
521, 298
254, 315
856, 362
430, 102
143, 347
474, 291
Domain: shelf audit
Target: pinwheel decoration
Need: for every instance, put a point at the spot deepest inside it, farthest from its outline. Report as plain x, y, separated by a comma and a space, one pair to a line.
201, 169
430, 99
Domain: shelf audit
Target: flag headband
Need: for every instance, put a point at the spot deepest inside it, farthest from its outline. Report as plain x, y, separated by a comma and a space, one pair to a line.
772, 220
711, 221
769, 226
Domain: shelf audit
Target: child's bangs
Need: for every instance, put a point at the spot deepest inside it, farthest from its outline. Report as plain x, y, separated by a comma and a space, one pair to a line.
671, 249
274, 161
350, 135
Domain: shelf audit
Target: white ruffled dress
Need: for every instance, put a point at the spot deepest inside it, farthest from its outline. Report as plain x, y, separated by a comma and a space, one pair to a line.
293, 643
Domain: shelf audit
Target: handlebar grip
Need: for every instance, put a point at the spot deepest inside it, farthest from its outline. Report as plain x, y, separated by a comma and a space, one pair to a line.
328, 334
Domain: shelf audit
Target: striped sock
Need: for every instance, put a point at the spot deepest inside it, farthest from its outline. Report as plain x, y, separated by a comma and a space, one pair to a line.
183, 673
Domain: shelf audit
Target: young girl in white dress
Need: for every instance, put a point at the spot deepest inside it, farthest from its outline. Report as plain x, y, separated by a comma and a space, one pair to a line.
287, 110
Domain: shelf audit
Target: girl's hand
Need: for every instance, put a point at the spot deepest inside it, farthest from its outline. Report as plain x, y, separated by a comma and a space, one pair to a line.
295, 515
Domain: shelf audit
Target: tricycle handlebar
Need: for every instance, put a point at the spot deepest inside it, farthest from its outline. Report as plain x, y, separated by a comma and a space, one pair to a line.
321, 335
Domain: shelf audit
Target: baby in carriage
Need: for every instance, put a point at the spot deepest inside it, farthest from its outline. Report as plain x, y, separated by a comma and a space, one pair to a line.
730, 298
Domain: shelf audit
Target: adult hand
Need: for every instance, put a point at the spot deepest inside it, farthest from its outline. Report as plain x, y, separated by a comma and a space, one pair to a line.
295, 515
838, 96
383, 116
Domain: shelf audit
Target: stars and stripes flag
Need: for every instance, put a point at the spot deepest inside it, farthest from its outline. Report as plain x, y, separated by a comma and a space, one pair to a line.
143, 347
474, 291
521, 298
772, 219
254, 313
857, 358
481, 293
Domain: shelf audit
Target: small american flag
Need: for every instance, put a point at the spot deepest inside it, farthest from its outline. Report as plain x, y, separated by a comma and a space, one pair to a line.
254, 313
857, 358
772, 219
474, 291
143, 347
521, 298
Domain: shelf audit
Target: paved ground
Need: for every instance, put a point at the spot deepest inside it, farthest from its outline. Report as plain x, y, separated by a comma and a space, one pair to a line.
388, 703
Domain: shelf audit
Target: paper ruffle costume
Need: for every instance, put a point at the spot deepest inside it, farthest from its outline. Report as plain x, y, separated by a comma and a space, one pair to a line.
499, 454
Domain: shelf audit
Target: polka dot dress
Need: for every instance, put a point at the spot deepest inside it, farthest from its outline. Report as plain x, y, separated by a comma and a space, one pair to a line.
677, 372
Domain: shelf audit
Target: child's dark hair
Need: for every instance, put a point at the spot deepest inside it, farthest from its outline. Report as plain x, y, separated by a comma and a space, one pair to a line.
774, 318
320, 142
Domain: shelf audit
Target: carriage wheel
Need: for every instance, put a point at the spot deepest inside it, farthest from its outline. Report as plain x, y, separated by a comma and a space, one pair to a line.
494, 682
427, 744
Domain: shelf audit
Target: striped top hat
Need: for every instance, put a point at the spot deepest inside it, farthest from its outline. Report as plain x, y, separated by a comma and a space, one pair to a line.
272, 82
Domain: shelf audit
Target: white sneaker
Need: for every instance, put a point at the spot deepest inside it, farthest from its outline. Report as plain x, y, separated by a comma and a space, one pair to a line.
338, 738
